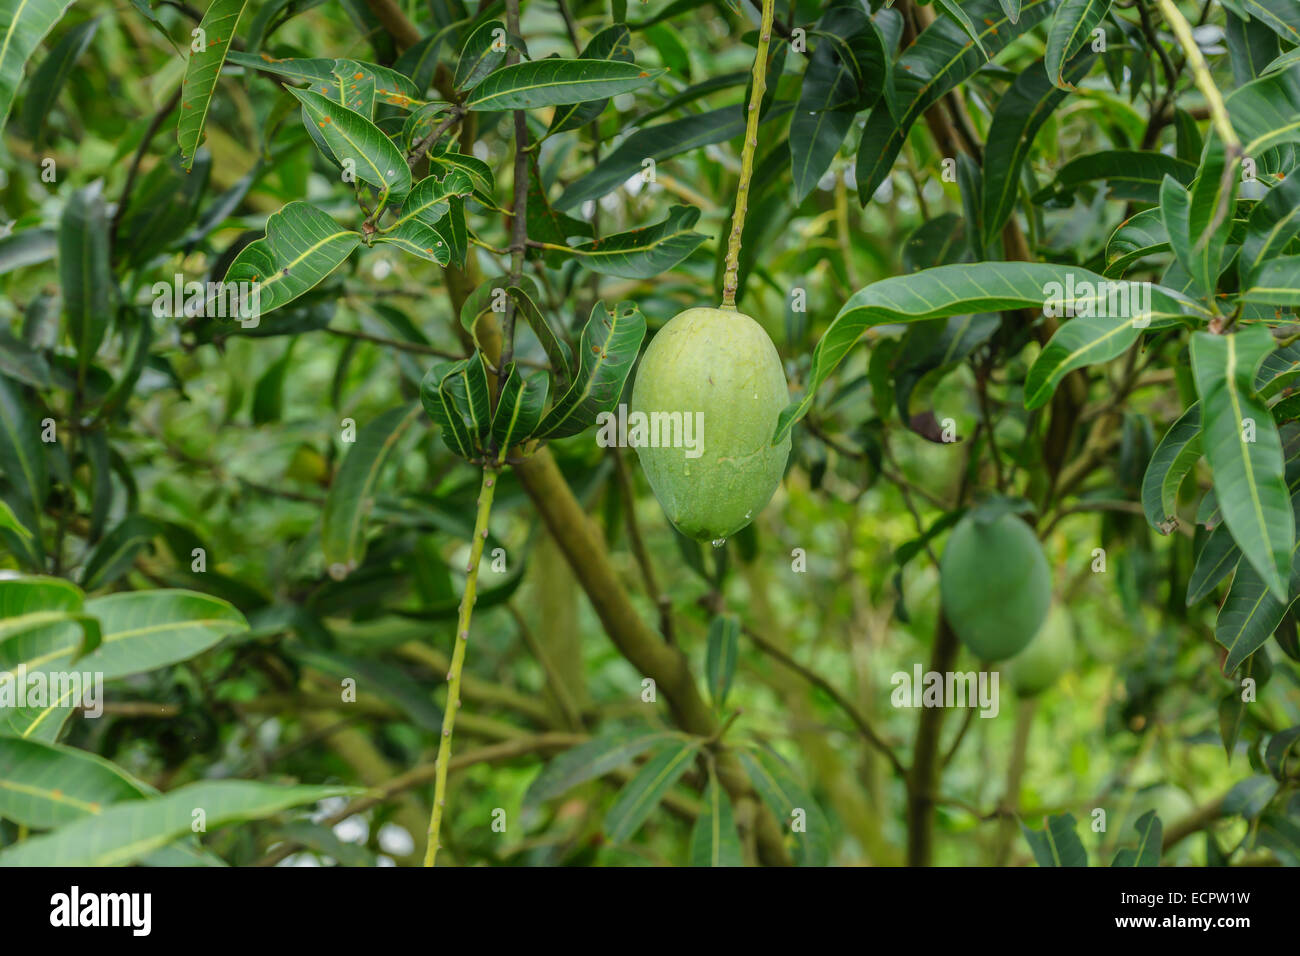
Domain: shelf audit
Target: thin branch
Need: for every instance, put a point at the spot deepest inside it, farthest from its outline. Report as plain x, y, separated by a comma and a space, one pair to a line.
628, 494
859, 721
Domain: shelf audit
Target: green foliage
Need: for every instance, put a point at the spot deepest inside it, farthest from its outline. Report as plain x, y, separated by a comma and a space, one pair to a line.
1024, 263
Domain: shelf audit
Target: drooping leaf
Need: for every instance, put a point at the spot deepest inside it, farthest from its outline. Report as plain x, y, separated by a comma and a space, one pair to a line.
23, 26
213, 34
1147, 851
114, 555
845, 73
794, 808
1244, 451
609, 347
638, 798
714, 840
1020, 114
1058, 843
351, 494
352, 137
556, 82
22, 459
1178, 452
941, 58
591, 760
48, 80
83, 271
1072, 27
523, 400
720, 657
1215, 561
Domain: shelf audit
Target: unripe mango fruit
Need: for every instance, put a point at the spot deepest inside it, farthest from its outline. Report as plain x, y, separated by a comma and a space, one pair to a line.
1049, 655
994, 584
718, 362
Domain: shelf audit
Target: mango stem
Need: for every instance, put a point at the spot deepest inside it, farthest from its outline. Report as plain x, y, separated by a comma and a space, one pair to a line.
731, 272
487, 490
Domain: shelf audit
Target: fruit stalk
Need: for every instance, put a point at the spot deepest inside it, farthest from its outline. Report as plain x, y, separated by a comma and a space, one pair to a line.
731, 272
487, 490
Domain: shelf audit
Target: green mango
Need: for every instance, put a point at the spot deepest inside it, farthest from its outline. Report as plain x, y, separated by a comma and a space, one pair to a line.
1049, 655
994, 584
720, 368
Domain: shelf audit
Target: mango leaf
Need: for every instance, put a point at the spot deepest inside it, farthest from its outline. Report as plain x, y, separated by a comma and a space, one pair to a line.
965, 288
1072, 27
1214, 562
614, 42
523, 400
302, 246
954, 10
645, 252
22, 28
1110, 315
658, 143
1250, 797
44, 785
789, 803
428, 202
48, 80
557, 352
1020, 114
128, 831
642, 793
941, 58
1263, 112
83, 271
609, 347
483, 52
845, 73
1133, 175
1058, 844
215, 31
1176, 455
1136, 238
1281, 16
22, 460
1147, 852
1244, 451
351, 494
351, 136
115, 553
556, 82
714, 840
31, 602
323, 75
1276, 282
1273, 225
591, 760
479, 172
1282, 746
142, 631
720, 656
1251, 613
